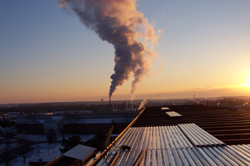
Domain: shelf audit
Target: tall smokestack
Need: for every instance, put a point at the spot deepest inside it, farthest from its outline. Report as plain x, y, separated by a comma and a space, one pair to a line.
118, 22
109, 101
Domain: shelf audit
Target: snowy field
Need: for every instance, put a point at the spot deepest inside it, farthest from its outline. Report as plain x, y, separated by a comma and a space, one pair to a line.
10, 146
42, 151
59, 138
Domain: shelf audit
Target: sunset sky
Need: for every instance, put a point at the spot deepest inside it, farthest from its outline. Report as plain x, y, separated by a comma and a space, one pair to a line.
48, 55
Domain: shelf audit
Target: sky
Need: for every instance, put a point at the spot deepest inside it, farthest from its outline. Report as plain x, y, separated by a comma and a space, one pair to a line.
48, 55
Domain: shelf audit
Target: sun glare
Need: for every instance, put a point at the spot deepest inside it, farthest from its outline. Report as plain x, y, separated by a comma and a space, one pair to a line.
247, 84
248, 81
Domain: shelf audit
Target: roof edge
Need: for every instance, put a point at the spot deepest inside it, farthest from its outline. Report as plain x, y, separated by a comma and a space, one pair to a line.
117, 138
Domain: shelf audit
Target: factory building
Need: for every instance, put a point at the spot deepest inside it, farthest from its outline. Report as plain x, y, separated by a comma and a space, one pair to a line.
104, 109
74, 123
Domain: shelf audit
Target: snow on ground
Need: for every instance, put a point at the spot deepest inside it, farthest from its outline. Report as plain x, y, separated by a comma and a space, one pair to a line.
46, 153
3, 147
40, 137
9, 146
57, 118
32, 137
42, 150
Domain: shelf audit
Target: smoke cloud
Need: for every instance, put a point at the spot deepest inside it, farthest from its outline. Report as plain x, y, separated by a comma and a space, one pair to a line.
143, 103
118, 22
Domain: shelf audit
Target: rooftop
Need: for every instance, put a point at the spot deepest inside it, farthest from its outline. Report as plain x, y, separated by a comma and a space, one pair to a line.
201, 136
185, 144
228, 125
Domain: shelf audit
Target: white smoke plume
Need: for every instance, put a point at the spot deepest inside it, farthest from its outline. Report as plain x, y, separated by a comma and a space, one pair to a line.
118, 22
143, 103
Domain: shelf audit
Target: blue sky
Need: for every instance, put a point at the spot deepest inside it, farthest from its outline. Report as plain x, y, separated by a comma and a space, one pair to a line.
47, 54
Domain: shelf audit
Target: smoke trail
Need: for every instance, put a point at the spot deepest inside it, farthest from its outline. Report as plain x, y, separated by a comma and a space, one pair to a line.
118, 22
143, 104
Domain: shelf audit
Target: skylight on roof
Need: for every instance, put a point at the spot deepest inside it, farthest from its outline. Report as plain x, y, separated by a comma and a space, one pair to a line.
173, 114
164, 108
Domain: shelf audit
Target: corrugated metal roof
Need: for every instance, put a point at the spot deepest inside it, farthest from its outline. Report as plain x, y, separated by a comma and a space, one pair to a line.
198, 136
170, 145
229, 125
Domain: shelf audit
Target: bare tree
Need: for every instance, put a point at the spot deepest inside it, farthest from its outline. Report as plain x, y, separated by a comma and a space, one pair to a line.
51, 136
7, 152
5, 155
72, 120
60, 129
24, 148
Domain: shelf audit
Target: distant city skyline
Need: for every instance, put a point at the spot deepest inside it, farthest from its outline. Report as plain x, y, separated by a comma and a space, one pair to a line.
48, 55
